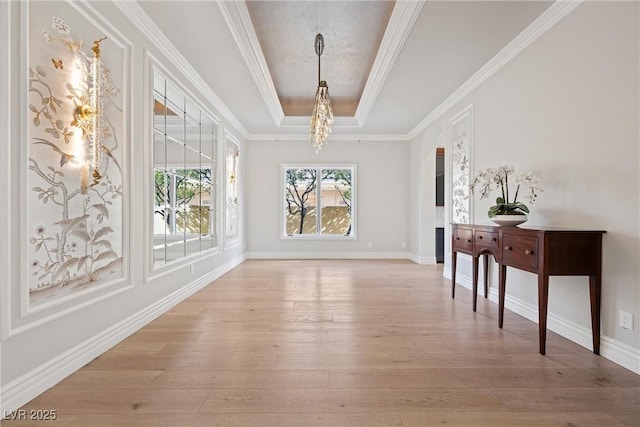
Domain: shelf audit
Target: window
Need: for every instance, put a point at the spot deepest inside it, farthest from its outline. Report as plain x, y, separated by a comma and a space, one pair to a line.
318, 201
185, 148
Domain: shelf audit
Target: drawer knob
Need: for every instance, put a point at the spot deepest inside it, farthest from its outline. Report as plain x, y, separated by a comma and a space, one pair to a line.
528, 252
509, 248
457, 238
468, 240
480, 237
495, 239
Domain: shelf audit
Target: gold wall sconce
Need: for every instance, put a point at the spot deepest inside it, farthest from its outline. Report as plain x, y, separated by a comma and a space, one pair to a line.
88, 118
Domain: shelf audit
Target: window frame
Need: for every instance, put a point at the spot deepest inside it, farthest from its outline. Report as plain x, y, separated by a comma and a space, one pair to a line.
200, 150
317, 235
172, 206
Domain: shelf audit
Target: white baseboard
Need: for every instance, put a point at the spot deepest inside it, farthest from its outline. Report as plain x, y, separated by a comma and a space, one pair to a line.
328, 255
422, 260
620, 353
343, 255
462, 280
28, 386
614, 350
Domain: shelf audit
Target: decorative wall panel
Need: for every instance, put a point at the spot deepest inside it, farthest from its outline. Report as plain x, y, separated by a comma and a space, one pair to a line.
461, 131
232, 157
75, 192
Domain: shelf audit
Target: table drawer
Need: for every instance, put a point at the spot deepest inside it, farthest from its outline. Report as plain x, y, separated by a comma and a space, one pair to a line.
462, 239
487, 239
519, 251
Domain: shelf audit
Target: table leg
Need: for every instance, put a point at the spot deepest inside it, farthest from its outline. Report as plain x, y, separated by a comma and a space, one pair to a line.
474, 280
454, 259
502, 280
485, 265
594, 293
543, 299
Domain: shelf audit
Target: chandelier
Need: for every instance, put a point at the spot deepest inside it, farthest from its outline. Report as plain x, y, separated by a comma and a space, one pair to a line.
322, 116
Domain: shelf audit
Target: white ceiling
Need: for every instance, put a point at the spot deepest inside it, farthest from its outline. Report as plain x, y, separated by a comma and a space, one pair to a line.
350, 48
257, 56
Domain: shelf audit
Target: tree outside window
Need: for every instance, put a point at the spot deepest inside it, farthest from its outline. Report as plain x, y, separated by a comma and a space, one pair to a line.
182, 199
318, 201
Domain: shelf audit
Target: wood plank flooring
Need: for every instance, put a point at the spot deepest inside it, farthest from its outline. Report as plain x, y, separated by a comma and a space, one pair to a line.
341, 343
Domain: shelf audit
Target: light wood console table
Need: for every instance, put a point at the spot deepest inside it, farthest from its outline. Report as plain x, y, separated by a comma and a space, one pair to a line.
542, 251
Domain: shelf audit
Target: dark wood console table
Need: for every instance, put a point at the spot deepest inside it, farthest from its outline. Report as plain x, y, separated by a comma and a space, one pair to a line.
543, 251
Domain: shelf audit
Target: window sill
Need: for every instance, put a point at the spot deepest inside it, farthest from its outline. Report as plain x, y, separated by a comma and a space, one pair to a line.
317, 237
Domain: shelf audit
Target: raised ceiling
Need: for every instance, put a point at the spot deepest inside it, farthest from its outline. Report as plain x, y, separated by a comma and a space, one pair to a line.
351, 46
394, 62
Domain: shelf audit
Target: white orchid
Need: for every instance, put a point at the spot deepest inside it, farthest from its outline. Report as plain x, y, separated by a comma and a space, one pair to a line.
487, 180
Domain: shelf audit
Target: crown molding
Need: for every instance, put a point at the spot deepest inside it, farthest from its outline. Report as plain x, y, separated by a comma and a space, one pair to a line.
400, 24
403, 17
236, 15
554, 14
140, 19
255, 137
303, 122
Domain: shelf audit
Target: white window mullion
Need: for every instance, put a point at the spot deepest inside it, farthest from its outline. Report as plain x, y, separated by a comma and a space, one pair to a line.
173, 208
318, 202
342, 224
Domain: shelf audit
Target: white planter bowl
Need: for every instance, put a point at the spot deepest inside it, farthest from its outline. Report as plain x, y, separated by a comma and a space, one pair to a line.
509, 220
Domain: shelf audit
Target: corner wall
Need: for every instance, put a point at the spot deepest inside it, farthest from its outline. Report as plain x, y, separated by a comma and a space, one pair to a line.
566, 107
423, 212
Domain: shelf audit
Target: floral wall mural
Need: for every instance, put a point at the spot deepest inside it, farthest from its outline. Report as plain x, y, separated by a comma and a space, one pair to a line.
461, 138
75, 183
231, 194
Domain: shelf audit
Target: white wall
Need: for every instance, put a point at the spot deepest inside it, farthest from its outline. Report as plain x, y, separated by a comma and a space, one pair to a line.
382, 198
423, 212
41, 348
566, 107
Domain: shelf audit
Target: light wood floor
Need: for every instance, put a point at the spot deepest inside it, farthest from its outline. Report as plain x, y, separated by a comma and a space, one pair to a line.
341, 343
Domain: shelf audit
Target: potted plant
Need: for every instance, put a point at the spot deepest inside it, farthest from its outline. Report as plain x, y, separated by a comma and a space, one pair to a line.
507, 210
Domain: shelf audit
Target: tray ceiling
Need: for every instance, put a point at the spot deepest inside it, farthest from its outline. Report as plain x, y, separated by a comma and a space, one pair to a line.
286, 32
388, 64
